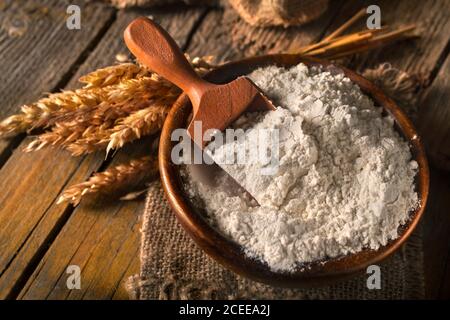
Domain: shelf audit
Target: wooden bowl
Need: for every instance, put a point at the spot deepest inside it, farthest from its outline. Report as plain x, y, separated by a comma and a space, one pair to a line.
228, 253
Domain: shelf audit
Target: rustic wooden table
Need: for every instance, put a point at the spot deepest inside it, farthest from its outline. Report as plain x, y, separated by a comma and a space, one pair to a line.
39, 238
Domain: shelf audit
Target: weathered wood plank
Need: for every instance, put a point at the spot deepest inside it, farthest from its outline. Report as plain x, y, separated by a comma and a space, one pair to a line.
39, 60
434, 116
101, 237
42, 57
28, 214
236, 39
104, 239
121, 292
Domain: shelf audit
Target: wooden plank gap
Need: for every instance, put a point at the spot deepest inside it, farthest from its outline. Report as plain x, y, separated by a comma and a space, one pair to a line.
39, 254
117, 253
91, 253
124, 273
195, 27
42, 249
13, 143
39, 221
335, 18
64, 81
439, 63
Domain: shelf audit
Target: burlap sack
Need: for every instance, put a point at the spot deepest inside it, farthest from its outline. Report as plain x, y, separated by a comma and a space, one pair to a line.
279, 12
255, 12
173, 267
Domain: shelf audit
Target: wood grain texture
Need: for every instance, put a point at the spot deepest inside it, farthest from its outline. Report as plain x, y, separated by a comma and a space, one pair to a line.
225, 35
37, 61
29, 217
42, 57
121, 292
434, 117
102, 239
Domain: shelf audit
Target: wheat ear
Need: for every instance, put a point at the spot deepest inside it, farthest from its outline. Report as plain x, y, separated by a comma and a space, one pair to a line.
111, 179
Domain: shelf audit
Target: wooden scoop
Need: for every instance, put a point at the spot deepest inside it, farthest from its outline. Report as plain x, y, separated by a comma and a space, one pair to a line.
216, 106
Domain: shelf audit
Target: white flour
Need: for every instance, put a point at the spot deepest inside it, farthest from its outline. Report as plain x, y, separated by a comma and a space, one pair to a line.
345, 181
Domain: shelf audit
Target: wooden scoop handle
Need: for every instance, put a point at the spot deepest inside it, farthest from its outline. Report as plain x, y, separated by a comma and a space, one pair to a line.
155, 48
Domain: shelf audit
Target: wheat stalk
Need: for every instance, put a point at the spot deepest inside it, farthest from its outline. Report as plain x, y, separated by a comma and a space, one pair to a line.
112, 179
80, 140
105, 87
113, 74
86, 130
336, 45
39, 114
143, 122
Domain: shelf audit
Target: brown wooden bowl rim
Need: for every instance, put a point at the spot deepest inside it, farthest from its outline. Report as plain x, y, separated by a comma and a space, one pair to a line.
230, 254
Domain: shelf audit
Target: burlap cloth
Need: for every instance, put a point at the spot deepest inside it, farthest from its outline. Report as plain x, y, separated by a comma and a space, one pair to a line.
173, 267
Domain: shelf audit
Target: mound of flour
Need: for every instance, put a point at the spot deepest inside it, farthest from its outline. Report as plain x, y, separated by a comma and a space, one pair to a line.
345, 184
